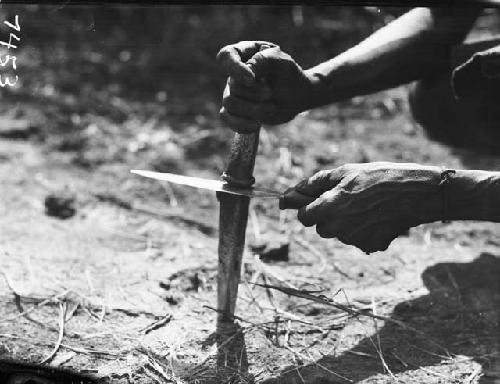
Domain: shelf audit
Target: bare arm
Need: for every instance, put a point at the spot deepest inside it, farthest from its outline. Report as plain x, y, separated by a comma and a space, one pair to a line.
411, 47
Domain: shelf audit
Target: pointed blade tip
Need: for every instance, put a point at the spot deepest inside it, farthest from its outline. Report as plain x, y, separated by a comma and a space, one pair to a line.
137, 171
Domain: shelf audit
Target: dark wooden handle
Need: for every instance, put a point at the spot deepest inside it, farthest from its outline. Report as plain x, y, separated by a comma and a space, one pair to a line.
239, 170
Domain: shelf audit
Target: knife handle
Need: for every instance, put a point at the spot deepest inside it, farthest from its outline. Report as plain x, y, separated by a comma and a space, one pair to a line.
239, 170
294, 200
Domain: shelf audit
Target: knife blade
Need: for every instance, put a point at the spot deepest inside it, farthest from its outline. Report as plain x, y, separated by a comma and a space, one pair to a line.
212, 185
287, 200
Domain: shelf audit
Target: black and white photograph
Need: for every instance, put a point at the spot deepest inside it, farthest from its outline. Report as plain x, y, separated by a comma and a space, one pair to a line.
250, 193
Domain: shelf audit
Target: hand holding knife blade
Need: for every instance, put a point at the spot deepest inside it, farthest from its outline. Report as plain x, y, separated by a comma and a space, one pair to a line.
290, 199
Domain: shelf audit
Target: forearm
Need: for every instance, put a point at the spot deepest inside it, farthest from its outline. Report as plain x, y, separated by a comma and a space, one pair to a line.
411, 47
474, 195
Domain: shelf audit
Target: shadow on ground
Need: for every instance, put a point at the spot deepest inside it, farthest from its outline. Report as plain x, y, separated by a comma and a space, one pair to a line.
460, 316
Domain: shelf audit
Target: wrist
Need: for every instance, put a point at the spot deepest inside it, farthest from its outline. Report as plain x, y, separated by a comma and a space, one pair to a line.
474, 195
334, 80
321, 91
314, 90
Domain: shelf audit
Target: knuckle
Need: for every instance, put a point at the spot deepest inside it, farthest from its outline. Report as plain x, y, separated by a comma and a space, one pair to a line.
231, 104
259, 56
321, 176
346, 168
304, 218
223, 53
321, 231
325, 231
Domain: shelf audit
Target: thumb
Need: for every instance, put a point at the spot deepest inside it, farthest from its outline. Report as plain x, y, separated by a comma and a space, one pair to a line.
263, 62
320, 182
231, 61
310, 188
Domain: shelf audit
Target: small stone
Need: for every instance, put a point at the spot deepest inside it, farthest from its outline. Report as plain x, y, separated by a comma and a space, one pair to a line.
17, 129
60, 204
173, 299
271, 249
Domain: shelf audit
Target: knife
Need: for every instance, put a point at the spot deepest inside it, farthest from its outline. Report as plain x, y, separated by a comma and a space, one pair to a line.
287, 200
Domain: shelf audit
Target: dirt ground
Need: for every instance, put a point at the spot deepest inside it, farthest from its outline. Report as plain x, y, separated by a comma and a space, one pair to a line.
124, 285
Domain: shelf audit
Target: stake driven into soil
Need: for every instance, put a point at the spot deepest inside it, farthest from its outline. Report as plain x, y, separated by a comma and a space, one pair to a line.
232, 226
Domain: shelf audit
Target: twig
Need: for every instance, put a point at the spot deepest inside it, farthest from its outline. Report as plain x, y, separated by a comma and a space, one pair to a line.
69, 347
475, 373
378, 346
62, 316
39, 304
448, 357
171, 194
362, 354
269, 295
17, 301
291, 316
447, 378
255, 224
323, 300
91, 351
70, 313
265, 270
159, 369
157, 324
406, 364
253, 299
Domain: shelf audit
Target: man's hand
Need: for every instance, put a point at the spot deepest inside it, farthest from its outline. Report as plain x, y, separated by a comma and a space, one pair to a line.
369, 205
265, 86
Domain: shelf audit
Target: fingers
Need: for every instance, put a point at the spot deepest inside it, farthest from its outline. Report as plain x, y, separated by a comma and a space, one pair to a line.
373, 237
259, 111
320, 209
292, 199
243, 107
321, 182
375, 241
258, 92
314, 186
269, 62
233, 57
232, 62
239, 124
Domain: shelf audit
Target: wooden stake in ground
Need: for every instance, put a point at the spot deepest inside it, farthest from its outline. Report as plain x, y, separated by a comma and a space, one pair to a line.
232, 226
